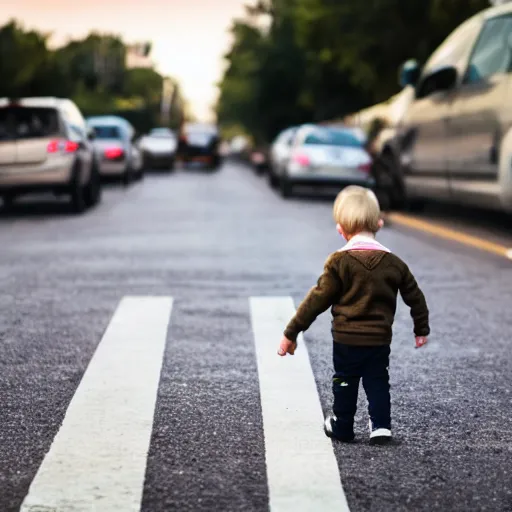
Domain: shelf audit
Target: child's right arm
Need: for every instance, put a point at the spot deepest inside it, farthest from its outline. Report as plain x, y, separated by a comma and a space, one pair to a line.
318, 300
415, 299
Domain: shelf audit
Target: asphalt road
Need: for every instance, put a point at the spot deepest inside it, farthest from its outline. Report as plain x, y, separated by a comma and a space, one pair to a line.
212, 241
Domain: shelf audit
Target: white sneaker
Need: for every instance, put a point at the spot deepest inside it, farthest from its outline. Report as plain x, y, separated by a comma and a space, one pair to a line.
328, 427
379, 435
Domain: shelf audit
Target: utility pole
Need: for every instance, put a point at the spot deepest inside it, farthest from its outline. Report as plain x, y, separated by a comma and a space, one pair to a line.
168, 88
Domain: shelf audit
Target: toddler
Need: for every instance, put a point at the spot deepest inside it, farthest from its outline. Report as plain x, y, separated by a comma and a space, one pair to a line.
360, 283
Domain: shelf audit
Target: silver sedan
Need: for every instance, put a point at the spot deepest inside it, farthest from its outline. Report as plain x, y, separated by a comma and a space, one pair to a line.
317, 155
115, 145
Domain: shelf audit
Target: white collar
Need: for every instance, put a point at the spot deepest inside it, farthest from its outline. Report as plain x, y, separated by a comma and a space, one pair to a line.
363, 237
364, 241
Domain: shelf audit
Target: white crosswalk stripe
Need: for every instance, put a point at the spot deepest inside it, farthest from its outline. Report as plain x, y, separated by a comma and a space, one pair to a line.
303, 475
97, 461
98, 458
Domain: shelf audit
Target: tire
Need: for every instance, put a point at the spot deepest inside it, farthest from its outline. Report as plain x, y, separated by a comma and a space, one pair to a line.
272, 179
389, 185
415, 205
8, 201
172, 165
215, 165
128, 176
76, 192
285, 187
92, 191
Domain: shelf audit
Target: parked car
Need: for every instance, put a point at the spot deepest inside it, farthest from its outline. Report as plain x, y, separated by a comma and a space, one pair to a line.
115, 144
455, 141
159, 149
46, 146
259, 159
381, 124
200, 143
280, 152
317, 155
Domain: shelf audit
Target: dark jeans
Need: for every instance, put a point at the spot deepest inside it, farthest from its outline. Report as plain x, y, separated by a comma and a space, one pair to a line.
351, 363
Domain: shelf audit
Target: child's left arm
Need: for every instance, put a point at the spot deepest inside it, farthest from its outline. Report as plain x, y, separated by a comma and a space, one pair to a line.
319, 298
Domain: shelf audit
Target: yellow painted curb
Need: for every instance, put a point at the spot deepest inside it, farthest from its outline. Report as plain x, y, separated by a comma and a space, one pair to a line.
450, 234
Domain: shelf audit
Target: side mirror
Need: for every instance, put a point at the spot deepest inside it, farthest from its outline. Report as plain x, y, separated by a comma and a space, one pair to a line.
91, 134
409, 73
444, 79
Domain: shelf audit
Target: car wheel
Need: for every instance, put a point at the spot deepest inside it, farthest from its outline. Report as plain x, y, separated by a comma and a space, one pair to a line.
128, 176
415, 205
76, 192
8, 201
285, 187
172, 165
92, 192
145, 163
216, 163
272, 179
388, 183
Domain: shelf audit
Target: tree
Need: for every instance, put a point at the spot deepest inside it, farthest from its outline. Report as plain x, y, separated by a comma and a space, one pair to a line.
323, 59
27, 67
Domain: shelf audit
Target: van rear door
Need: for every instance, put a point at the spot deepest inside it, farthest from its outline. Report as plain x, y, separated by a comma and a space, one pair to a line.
35, 128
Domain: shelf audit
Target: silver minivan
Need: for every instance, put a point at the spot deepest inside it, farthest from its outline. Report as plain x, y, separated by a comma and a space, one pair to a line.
455, 140
45, 146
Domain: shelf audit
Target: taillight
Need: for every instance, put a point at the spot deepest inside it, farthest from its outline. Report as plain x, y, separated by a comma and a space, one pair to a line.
302, 159
53, 146
367, 167
71, 147
114, 153
64, 146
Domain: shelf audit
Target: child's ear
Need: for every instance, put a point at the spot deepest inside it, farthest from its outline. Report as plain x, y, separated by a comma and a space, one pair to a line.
339, 229
381, 223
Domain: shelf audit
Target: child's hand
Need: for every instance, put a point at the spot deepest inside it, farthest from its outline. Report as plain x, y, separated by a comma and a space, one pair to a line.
420, 341
287, 347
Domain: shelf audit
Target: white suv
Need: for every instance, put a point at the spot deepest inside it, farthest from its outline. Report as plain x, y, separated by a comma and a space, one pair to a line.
45, 146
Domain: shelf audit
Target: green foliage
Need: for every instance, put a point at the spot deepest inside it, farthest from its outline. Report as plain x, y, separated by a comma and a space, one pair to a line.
322, 59
91, 71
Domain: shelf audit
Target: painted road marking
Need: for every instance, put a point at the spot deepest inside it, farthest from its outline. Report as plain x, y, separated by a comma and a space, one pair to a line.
451, 234
97, 461
302, 472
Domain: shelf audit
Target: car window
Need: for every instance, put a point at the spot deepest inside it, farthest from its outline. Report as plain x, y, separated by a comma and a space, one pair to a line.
74, 118
161, 132
107, 132
287, 137
333, 137
28, 123
492, 51
200, 128
456, 48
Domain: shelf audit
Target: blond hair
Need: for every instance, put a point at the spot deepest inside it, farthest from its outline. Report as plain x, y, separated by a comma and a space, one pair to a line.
356, 210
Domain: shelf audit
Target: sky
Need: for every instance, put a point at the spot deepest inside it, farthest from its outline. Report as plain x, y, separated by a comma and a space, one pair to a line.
189, 36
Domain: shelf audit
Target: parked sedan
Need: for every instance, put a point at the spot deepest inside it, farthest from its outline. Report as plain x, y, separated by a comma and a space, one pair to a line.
319, 155
114, 142
45, 146
159, 149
